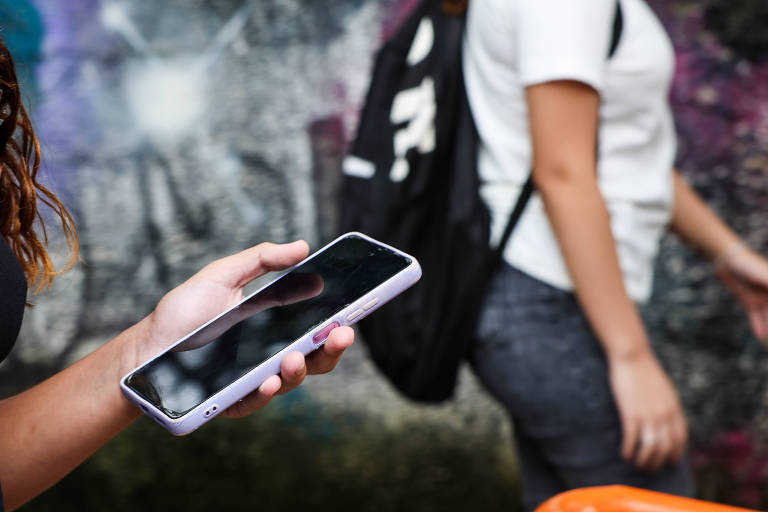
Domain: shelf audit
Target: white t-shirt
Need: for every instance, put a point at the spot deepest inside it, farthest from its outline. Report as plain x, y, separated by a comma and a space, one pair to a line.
512, 44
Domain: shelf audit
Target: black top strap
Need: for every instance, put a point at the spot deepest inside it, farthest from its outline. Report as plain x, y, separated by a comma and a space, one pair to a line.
517, 211
13, 297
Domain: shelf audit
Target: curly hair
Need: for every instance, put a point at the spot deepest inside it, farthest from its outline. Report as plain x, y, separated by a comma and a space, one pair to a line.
20, 191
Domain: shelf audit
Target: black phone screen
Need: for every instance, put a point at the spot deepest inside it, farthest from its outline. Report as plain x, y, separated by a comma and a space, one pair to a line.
238, 341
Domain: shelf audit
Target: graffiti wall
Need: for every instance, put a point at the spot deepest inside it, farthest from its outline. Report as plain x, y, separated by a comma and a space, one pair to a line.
184, 130
720, 103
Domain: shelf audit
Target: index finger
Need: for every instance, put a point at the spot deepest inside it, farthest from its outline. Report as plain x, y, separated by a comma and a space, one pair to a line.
326, 357
629, 438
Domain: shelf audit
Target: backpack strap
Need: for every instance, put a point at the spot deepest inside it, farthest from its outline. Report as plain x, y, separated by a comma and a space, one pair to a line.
618, 27
527, 191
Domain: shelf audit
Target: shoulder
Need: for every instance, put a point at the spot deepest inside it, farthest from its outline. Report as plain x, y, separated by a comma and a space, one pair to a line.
571, 21
572, 16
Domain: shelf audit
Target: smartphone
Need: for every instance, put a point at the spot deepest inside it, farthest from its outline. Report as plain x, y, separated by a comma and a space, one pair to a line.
225, 359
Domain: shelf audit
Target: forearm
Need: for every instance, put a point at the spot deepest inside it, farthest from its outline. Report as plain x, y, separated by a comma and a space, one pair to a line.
46, 431
695, 222
581, 224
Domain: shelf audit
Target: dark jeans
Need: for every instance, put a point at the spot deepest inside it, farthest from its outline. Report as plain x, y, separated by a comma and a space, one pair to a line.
538, 356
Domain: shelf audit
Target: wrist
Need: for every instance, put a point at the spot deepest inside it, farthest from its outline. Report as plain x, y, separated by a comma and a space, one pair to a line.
728, 252
628, 350
97, 379
132, 346
133, 351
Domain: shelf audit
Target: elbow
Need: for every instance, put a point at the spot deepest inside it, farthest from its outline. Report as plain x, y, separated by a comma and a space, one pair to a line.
554, 179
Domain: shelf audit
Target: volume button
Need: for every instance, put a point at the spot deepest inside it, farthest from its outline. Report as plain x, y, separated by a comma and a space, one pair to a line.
354, 314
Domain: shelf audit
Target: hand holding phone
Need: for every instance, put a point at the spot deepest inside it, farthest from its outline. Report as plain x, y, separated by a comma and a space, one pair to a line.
214, 366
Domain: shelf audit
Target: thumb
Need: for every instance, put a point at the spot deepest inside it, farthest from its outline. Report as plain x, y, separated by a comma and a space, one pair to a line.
239, 269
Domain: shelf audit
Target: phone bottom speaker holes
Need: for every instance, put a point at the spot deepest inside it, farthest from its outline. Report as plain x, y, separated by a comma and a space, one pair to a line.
211, 411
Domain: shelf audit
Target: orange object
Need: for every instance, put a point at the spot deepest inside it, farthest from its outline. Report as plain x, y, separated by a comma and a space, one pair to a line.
621, 498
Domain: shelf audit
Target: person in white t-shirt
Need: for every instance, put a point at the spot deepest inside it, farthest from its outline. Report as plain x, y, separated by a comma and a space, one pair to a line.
562, 345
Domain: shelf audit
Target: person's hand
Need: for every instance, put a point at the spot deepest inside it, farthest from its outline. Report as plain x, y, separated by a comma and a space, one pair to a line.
745, 274
219, 286
654, 430
293, 368
289, 289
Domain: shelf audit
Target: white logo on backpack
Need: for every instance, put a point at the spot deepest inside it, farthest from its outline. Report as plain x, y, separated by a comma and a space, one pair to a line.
417, 106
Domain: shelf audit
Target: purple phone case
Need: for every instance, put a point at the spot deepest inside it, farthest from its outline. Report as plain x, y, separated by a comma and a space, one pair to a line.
220, 401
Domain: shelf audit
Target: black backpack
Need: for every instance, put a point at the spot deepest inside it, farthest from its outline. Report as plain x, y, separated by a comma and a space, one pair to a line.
410, 180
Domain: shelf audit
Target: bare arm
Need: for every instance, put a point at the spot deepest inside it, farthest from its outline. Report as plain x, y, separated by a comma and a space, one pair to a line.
741, 269
46, 431
563, 119
694, 222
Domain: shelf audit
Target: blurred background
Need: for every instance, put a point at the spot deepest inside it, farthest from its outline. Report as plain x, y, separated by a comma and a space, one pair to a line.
185, 130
